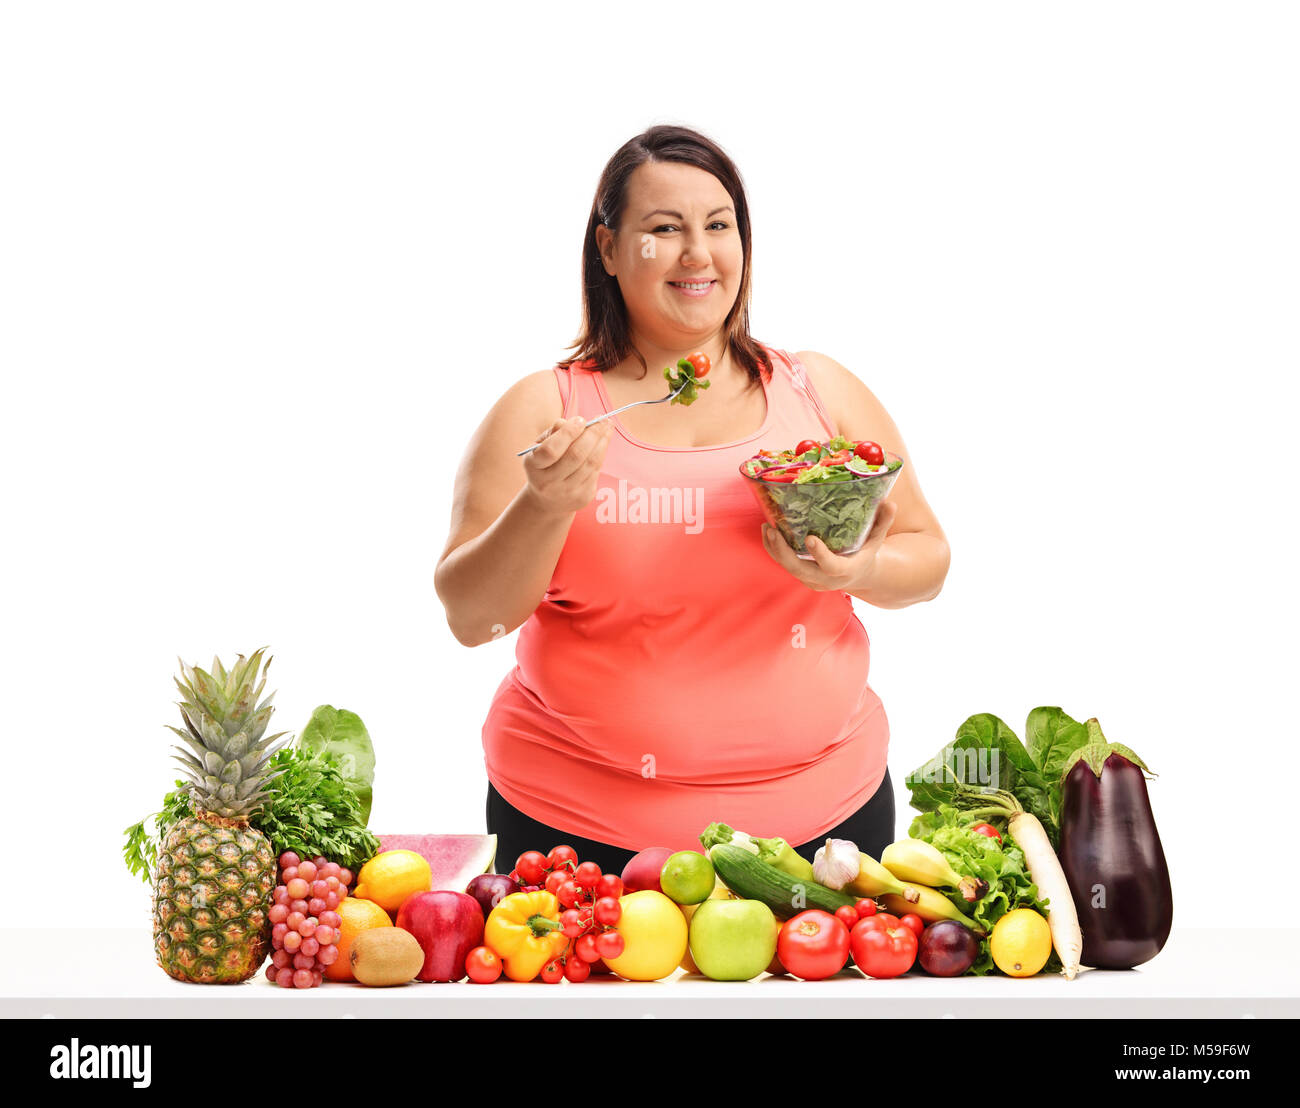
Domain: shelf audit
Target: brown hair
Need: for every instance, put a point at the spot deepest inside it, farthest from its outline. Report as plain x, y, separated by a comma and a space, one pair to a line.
604, 337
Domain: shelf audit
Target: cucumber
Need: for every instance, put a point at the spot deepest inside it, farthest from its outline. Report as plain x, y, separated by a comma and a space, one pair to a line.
787, 896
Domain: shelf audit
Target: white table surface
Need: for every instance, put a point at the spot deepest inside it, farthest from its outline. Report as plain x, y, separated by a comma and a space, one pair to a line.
66, 973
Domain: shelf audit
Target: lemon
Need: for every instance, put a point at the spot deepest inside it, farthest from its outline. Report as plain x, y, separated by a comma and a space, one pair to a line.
654, 935
688, 877
389, 878
1021, 943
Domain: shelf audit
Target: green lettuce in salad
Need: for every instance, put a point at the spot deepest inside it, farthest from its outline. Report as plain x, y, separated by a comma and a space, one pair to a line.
685, 372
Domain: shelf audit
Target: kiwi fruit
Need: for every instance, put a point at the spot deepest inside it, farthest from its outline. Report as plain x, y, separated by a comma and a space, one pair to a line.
385, 956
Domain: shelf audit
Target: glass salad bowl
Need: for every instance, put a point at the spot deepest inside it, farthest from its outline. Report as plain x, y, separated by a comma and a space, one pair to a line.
837, 503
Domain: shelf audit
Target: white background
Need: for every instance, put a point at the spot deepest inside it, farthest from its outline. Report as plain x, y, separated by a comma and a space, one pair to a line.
263, 268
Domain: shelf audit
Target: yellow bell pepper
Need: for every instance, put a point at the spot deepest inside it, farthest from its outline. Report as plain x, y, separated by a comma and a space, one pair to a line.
523, 930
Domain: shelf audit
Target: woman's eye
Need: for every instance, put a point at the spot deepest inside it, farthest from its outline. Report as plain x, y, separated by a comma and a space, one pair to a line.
716, 224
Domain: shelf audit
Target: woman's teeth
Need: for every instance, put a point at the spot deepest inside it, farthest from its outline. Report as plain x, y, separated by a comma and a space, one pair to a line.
693, 286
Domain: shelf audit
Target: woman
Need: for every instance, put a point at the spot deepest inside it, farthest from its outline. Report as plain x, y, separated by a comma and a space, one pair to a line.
681, 665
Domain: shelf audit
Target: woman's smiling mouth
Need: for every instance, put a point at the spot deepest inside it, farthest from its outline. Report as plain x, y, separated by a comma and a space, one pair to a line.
693, 288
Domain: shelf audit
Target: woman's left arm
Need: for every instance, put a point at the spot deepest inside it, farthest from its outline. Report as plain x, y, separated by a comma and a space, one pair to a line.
905, 558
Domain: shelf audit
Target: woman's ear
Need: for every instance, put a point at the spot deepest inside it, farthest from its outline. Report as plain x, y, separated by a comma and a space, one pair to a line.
605, 244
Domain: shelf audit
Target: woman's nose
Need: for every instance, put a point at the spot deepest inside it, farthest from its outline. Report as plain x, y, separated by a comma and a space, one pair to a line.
695, 248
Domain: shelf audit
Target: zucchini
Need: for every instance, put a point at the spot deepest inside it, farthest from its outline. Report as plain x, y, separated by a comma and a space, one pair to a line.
787, 896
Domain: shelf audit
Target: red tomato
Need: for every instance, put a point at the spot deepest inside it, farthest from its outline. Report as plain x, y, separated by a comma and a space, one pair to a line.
813, 945
914, 922
610, 884
563, 855
585, 948
988, 830
847, 915
785, 473
576, 970
609, 944
882, 947
482, 965
700, 363
870, 453
553, 972
531, 867
586, 875
807, 445
866, 907
607, 911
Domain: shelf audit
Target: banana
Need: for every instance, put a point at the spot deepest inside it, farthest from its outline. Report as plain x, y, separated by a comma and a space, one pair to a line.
930, 904
919, 863
873, 880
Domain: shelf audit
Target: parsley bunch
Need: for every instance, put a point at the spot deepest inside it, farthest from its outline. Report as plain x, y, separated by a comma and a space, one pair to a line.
311, 809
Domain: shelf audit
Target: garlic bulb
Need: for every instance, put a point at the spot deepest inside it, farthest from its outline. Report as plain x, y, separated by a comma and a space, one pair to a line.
836, 863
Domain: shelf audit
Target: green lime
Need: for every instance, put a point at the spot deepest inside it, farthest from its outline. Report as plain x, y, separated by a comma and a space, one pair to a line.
687, 877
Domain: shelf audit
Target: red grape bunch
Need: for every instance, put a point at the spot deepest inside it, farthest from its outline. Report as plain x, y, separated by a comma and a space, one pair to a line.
305, 920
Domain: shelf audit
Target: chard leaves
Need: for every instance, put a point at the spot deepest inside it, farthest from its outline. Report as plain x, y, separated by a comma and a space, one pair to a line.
987, 754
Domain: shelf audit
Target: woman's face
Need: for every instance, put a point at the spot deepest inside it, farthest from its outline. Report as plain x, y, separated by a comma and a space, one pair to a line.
678, 230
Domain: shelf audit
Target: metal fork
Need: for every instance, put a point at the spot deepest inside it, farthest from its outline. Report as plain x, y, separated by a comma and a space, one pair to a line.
686, 381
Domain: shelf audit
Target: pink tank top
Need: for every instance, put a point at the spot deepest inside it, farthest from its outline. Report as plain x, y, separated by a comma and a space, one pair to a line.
674, 674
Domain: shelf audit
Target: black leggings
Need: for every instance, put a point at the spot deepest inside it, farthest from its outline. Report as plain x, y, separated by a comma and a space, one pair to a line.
871, 827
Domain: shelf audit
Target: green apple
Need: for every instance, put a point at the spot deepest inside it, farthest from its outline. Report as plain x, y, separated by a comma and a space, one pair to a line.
733, 940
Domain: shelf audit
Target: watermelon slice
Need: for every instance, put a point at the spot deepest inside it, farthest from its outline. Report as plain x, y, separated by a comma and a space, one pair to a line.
454, 859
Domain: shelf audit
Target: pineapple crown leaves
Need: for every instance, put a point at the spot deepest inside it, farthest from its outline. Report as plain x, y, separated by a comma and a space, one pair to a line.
225, 729
226, 700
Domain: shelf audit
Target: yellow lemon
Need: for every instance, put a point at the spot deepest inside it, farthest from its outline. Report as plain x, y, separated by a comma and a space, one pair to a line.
654, 937
389, 878
1021, 943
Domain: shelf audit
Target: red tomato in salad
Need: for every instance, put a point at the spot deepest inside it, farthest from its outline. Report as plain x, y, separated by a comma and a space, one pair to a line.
870, 453
813, 945
700, 363
807, 445
785, 474
882, 946
988, 830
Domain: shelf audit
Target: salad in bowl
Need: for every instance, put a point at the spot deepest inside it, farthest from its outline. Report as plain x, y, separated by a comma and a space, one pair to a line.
829, 489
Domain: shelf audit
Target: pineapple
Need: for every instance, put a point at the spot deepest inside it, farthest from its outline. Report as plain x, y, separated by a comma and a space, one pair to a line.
215, 873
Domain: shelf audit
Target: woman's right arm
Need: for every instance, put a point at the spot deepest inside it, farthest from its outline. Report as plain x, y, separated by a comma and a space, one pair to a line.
510, 516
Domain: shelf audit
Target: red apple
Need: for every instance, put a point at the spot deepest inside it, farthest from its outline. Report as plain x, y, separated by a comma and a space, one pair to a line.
643, 871
447, 925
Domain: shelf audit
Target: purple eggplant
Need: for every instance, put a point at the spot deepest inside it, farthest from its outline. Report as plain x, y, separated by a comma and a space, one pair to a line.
1111, 854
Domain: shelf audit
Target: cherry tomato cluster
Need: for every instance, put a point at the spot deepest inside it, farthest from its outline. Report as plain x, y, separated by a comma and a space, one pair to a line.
591, 909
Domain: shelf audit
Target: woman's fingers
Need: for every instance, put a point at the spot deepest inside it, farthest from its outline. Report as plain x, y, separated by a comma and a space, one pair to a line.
568, 463
555, 442
827, 570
